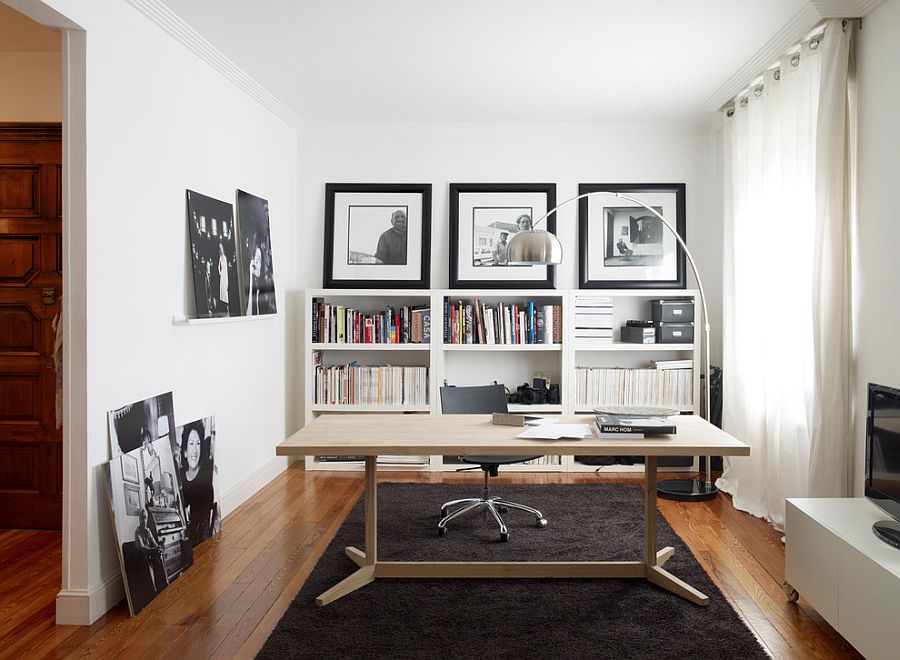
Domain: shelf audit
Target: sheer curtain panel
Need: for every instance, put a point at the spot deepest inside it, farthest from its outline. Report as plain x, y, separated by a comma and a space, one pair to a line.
786, 305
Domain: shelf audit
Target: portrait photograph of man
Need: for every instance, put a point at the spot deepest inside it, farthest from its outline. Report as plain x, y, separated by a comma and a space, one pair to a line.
377, 235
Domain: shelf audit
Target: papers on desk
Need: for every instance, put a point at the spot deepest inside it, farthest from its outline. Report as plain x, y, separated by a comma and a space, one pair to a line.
553, 431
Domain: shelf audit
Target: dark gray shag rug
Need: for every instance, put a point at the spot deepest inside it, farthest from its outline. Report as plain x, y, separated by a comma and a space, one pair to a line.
509, 618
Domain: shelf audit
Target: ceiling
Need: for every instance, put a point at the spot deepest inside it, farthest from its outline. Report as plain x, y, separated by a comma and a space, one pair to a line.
491, 60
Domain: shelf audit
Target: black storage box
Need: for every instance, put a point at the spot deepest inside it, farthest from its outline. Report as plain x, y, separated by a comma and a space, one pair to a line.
676, 310
674, 333
632, 335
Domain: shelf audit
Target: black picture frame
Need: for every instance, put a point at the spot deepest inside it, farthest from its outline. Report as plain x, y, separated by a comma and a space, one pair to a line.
332, 281
635, 189
457, 279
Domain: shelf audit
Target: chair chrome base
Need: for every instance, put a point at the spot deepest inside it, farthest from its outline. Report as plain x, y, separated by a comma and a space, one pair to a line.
495, 505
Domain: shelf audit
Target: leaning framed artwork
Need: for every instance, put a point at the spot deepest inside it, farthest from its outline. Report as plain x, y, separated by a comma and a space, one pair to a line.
377, 235
622, 245
484, 217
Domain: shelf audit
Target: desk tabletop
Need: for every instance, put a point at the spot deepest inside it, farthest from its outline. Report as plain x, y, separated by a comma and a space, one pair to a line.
455, 435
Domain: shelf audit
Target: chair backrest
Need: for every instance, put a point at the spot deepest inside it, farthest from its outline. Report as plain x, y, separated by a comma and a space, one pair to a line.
479, 399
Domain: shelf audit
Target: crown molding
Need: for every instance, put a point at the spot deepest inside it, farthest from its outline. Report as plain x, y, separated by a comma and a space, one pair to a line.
845, 8
792, 32
176, 27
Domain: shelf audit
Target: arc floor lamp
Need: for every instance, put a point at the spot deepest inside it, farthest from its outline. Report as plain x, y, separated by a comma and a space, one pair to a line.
540, 247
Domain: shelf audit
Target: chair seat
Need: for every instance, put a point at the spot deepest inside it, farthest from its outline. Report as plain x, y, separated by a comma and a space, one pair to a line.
496, 460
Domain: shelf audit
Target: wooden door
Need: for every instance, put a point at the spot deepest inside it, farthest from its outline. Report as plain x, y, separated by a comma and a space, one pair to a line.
30, 291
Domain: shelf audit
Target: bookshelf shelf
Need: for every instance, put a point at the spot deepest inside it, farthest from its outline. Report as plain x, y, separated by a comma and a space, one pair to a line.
502, 347
479, 364
344, 407
371, 347
537, 409
583, 347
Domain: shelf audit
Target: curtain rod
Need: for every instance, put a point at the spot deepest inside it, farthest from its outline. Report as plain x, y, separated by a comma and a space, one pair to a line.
813, 37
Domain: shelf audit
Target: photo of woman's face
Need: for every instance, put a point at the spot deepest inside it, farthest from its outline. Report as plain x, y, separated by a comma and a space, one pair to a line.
193, 450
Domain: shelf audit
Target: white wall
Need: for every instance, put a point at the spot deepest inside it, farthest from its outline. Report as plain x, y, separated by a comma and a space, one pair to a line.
160, 120
31, 87
565, 154
30, 70
877, 266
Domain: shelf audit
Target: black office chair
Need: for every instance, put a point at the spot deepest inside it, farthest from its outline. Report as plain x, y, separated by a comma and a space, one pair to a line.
480, 400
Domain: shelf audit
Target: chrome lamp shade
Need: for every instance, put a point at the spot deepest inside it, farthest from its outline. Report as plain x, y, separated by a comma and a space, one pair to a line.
534, 247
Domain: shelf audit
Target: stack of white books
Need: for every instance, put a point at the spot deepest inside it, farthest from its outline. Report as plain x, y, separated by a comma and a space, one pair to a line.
594, 319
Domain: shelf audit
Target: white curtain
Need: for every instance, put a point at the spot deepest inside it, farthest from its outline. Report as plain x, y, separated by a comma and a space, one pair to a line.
786, 305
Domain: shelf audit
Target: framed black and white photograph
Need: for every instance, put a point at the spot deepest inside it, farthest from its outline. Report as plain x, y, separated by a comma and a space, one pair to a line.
484, 217
377, 235
148, 521
623, 245
213, 256
257, 272
141, 423
193, 450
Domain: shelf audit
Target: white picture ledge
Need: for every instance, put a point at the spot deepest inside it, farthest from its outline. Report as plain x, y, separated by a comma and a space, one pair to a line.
181, 319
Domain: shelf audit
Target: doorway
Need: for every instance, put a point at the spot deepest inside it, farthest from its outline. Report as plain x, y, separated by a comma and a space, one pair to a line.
30, 295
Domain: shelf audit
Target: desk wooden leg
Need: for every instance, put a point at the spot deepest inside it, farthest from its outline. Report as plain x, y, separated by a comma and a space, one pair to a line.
366, 561
650, 511
654, 559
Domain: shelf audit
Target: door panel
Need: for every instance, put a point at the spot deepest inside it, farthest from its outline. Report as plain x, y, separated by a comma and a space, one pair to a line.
30, 291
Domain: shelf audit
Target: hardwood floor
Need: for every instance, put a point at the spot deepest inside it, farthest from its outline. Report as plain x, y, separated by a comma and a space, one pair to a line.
243, 579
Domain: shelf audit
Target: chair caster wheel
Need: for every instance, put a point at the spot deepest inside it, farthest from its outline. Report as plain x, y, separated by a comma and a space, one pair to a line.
443, 512
504, 537
541, 522
502, 509
442, 531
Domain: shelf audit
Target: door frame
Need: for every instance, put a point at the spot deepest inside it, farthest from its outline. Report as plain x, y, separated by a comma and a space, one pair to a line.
74, 604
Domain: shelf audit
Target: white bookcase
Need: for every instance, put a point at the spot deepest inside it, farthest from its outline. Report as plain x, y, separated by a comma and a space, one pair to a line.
481, 364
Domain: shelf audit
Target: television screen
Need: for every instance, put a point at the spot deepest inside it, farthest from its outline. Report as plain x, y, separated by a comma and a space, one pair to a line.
883, 448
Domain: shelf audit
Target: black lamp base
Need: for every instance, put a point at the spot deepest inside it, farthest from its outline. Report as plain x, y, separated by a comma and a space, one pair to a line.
686, 490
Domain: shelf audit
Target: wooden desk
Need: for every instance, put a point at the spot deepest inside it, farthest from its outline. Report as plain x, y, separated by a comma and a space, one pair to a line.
375, 434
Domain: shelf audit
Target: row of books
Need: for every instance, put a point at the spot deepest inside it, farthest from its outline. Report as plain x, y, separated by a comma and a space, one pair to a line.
386, 459
540, 460
336, 324
519, 323
351, 384
634, 387
594, 318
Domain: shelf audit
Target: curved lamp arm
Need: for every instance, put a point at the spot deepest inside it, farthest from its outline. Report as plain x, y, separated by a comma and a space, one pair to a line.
693, 264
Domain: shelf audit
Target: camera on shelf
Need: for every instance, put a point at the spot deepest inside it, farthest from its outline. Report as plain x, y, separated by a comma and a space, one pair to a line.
538, 393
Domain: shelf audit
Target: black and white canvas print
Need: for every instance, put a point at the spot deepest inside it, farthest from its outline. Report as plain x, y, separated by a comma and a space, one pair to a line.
634, 237
193, 451
257, 271
622, 244
213, 256
492, 229
377, 235
484, 219
140, 423
148, 520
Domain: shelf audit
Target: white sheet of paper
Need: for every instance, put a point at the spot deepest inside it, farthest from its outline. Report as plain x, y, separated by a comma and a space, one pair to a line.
541, 420
556, 431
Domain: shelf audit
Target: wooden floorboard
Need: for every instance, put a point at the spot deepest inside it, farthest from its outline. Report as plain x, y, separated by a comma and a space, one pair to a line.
243, 580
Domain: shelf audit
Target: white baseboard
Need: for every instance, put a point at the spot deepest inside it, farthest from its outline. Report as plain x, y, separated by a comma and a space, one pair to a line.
81, 607
249, 485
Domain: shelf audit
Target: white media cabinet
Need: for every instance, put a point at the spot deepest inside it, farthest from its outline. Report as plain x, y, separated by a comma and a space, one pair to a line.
478, 364
852, 578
